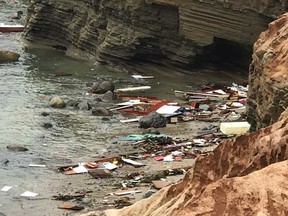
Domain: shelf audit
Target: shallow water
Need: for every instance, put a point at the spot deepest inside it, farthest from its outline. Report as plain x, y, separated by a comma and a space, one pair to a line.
75, 135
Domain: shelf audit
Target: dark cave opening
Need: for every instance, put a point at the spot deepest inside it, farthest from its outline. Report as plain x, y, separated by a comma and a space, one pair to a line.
226, 55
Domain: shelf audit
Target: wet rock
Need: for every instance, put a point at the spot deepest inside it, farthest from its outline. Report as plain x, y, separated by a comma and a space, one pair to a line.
153, 119
57, 102
73, 103
84, 105
106, 97
7, 56
47, 125
102, 87
105, 119
148, 194
16, 148
17, 15
45, 114
101, 111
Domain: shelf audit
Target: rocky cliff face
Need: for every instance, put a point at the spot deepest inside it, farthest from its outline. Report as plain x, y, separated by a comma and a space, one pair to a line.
179, 32
246, 175
268, 77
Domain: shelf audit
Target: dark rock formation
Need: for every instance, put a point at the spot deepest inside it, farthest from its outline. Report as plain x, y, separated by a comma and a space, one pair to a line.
16, 148
179, 32
102, 87
8, 56
152, 120
268, 79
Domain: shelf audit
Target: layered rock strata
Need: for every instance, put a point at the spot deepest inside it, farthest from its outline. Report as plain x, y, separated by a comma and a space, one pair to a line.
246, 175
268, 78
150, 30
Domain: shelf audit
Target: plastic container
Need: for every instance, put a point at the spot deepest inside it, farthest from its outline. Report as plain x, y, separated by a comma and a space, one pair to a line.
234, 127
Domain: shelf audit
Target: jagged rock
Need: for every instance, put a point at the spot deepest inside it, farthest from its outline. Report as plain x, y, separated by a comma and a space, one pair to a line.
84, 105
268, 78
103, 87
108, 96
246, 175
101, 111
153, 119
8, 56
16, 148
57, 102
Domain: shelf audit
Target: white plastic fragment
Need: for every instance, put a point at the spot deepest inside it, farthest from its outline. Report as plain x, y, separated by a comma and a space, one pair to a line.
6, 188
28, 194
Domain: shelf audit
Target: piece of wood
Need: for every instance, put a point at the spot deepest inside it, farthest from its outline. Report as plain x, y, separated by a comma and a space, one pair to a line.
70, 207
139, 88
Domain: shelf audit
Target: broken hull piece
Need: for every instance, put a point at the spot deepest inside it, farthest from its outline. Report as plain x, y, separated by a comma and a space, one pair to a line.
11, 28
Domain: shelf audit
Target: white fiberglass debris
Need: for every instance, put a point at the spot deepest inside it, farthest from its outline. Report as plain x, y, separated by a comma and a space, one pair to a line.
28, 194
167, 109
80, 168
6, 188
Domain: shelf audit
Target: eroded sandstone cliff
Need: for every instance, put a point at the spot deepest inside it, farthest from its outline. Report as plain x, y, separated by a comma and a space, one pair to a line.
180, 32
268, 77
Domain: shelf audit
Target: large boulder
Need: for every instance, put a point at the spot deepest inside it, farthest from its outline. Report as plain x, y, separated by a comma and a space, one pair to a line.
102, 87
7, 56
57, 102
153, 120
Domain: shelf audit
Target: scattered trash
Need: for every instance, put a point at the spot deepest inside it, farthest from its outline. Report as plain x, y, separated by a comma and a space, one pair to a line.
223, 108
